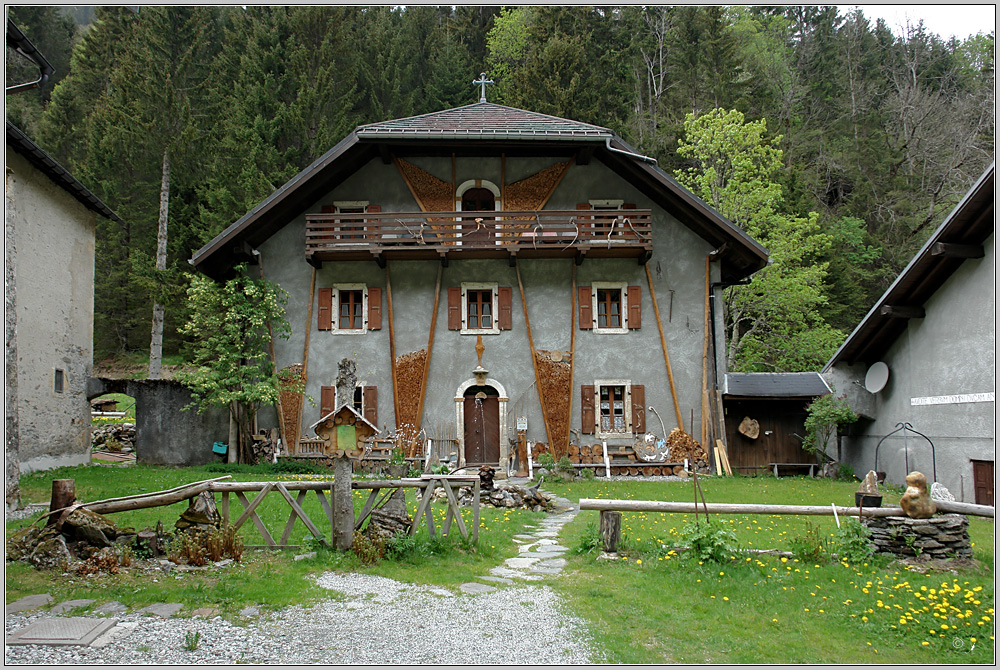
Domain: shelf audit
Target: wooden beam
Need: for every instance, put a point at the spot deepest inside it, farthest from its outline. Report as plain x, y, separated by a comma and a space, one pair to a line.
666, 356
430, 348
392, 346
952, 250
945, 507
572, 350
902, 312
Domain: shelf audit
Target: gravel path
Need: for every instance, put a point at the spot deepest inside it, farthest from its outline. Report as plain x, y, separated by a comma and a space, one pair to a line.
367, 620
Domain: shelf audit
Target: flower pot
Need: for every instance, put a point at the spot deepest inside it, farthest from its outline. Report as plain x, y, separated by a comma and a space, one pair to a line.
867, 499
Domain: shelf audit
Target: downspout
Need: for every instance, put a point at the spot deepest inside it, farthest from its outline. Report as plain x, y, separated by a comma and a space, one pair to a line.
647, 159
711, 308
28, 50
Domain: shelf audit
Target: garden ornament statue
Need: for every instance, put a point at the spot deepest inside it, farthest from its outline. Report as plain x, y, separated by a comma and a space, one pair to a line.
916, 502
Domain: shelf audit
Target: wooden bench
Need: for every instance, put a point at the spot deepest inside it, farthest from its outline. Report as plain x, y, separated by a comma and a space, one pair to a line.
798, 467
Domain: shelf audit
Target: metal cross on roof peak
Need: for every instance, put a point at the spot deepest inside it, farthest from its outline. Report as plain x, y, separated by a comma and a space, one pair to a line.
482, 81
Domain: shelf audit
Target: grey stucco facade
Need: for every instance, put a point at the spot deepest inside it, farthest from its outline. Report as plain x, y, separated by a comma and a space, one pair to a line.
54, 278
942, 365
677, 267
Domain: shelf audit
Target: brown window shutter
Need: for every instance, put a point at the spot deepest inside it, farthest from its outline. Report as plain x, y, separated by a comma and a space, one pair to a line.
374, 308
454, 308
325, 305
369, 400
327, 397
377, 209
505, 297
588, 422
329, 209
634, 297
628, 205
638, 408
586, 308
583, 205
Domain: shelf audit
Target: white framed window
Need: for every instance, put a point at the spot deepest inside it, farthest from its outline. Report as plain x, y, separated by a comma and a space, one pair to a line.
613, 407
606, 204
480, 308
349, 309
609, 304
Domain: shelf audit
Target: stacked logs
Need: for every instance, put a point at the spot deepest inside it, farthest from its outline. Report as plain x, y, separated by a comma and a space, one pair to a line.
682, 445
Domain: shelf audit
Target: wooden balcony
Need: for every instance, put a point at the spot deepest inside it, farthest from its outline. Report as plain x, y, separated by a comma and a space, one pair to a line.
442, 236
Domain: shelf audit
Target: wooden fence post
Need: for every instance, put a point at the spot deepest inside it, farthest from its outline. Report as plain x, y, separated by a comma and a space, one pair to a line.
63, 495
611, 530
343, 506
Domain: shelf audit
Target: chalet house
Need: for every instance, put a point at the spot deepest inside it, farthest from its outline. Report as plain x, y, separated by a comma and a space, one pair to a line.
921, 367
50, 219
493, 273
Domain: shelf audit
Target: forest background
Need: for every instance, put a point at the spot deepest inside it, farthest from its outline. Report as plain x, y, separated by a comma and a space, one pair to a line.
858, 141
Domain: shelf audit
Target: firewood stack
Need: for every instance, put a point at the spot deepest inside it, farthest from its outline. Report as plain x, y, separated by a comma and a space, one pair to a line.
682, 445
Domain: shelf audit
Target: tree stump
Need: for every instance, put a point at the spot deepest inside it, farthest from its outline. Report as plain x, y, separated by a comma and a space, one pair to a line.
343, 506
63, 495
611, 530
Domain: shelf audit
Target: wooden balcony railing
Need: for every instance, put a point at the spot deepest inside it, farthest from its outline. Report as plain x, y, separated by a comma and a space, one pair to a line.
622, 233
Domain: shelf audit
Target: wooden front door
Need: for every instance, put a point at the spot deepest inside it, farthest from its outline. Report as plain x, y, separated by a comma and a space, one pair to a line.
982, 475
482, 426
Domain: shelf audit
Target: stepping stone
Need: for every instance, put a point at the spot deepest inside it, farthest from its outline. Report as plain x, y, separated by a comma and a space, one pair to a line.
548, 555
302, 557
476, 587
113, 607
553, 563
68, 605
28, 603
164, 610
553, 547
499, 580
62, 631
249, 611
513, 574
525, 548
442, 592
525, 538
520, 562
548, 533
112, 633
205, 611
546, 571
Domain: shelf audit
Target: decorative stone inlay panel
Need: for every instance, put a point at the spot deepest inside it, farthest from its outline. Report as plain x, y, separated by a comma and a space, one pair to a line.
942, 536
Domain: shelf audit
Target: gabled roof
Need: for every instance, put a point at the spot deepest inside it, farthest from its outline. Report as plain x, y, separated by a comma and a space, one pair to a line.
478, 129
352, 411
962, 233
20, 143
484, 120
774, 385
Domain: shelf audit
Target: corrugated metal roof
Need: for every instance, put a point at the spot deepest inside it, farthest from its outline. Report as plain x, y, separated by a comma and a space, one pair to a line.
775, 385
483, 120
57, 173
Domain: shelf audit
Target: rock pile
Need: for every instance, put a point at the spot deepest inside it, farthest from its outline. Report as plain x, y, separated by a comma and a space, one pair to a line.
508, 496
943, 536
80, 535
114, 437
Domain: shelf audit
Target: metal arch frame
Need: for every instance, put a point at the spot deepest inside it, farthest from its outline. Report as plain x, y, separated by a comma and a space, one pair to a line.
903, 426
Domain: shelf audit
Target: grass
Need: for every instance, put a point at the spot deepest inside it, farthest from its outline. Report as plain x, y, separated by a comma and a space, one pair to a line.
653, 605
126, 404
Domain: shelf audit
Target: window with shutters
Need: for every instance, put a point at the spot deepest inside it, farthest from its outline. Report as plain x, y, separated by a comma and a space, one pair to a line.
477, 308
610, 307
350, 309
350, 228
613, 408
364, 401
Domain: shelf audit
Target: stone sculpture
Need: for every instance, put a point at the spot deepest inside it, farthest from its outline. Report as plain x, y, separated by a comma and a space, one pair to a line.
916, 502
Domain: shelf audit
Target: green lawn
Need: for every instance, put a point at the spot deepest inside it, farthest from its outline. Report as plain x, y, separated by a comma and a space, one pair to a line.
652, 605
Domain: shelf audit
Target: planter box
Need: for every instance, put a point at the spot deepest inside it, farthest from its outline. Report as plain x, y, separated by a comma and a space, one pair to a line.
867, 500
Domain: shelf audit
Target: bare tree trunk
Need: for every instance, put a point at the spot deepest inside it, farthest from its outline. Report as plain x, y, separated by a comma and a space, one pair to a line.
156, 337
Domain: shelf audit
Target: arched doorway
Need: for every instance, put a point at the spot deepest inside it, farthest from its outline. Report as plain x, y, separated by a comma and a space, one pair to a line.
477, 195
481, 410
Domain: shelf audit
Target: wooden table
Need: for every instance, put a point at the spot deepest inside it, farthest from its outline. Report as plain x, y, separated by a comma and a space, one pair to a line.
429, 484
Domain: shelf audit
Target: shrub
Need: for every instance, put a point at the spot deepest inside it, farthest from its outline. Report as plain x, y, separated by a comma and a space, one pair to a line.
710, 542
401, 546
587, 473
368, 550
808, 547
545, 460
851, 543
590, 541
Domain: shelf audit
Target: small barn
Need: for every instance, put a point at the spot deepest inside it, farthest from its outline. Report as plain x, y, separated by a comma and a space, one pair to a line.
765, 419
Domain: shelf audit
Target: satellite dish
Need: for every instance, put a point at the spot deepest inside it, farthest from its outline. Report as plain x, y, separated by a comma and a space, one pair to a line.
877, 377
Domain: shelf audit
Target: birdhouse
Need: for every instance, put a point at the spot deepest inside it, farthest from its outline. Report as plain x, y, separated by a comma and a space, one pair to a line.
345, 432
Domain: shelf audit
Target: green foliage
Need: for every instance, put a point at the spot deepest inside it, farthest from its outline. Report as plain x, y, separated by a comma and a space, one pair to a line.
590, 540
851, 542
191, 640
368, 550
546, 460
710, 542
587, 473
824, 417
231, 326
565, 464
809, 547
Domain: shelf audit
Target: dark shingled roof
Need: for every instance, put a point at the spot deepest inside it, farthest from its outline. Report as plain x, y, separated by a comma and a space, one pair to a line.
969, 225
775, 385
20, 143
483, 120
